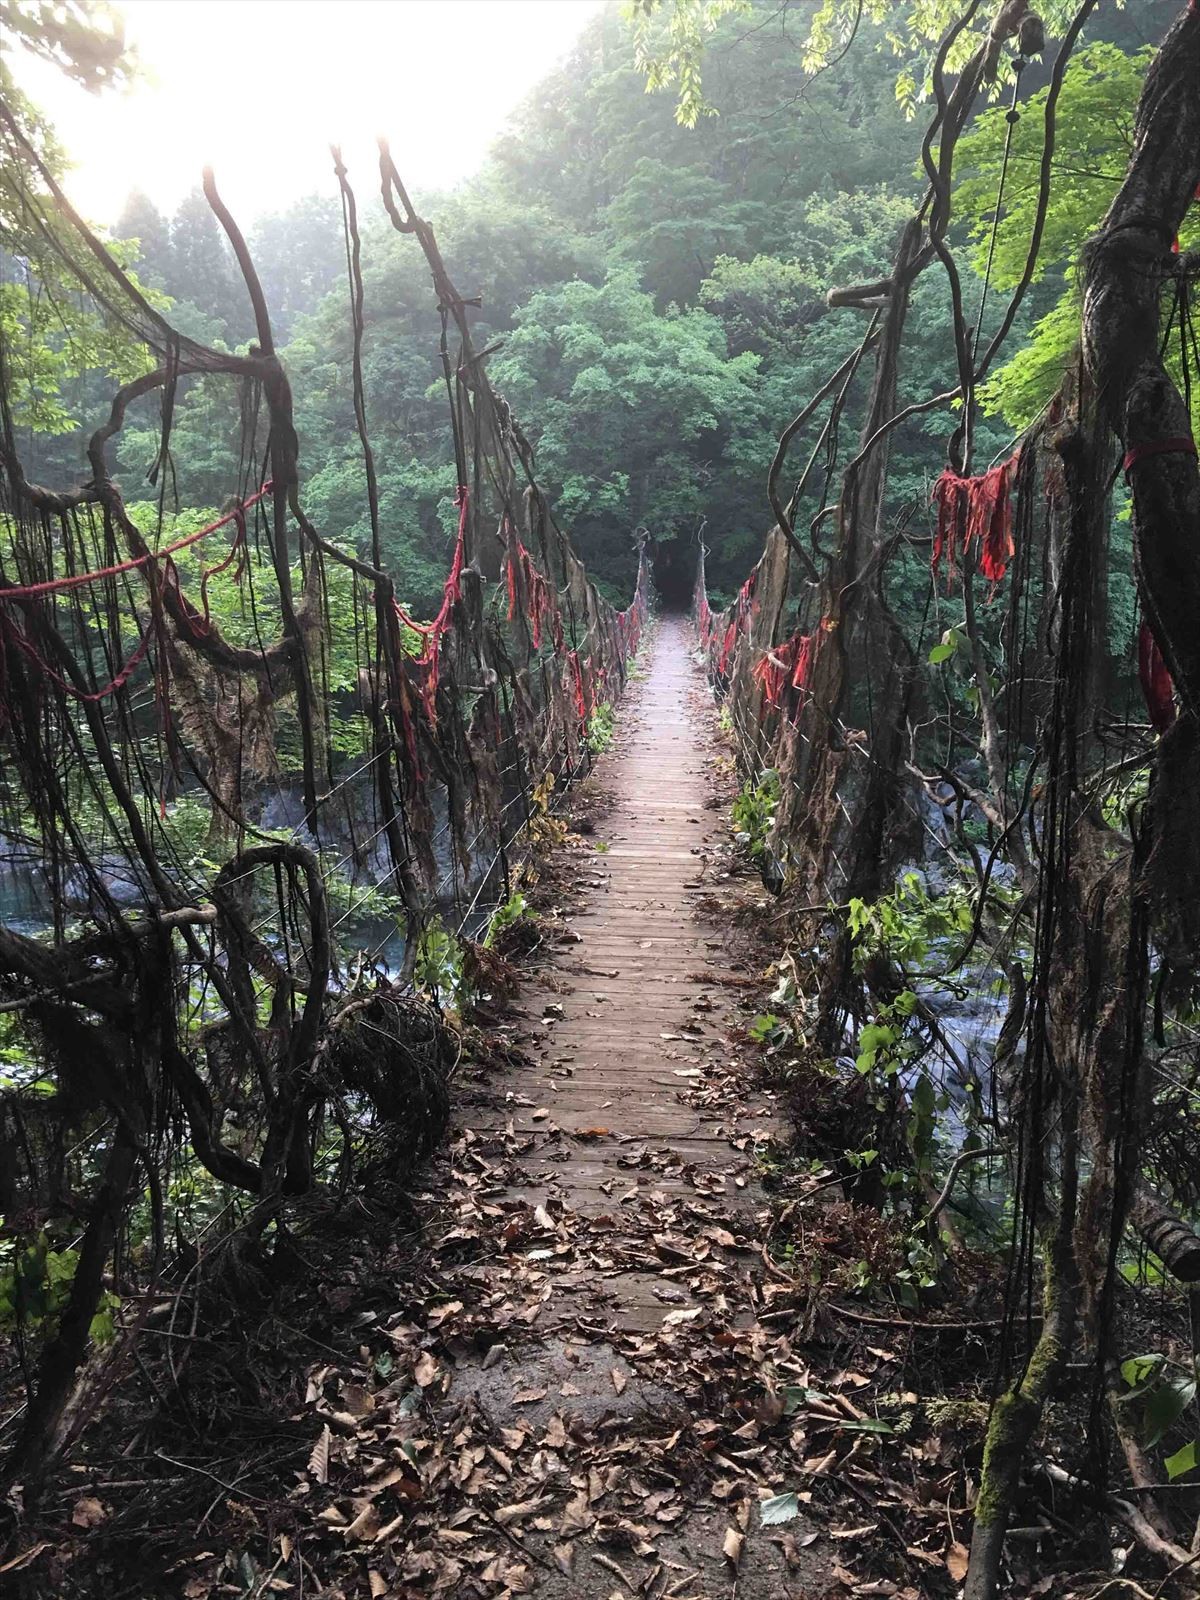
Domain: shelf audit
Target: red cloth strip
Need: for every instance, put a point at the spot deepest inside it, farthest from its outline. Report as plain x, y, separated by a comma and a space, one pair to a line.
432, 632
787, 666
1157, 447
31, 591
1157, 685
976, 511
27, 648
541, 600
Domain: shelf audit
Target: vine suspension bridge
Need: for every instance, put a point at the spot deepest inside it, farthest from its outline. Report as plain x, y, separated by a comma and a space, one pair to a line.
499, 1016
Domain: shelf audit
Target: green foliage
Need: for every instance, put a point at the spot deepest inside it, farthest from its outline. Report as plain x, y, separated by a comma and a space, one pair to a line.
670, 57
625, 406
1093, 142
51, 333
84, 39
247, 610
35, 1284
352, 902
883, 1044
772, 1032
657, 292
909, 922
438, 967
952, 642
601, 725
1183, 1460
187, 826
924, 1104
672, 36
754, 813
905, 1283
672, 224
1157, 1395
506, 916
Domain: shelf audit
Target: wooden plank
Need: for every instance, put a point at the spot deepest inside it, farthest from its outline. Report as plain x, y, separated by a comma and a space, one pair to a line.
615, 1059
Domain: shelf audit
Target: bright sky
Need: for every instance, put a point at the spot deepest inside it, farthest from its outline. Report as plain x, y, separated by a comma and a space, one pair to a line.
259, 89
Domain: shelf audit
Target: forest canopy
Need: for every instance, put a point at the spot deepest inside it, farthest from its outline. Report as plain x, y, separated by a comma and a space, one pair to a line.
637, 266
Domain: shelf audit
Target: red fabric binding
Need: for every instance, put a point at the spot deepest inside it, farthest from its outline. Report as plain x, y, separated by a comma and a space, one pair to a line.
31, 591
786, 666
432, 632
1157, 685
29, 649
976, 512
1157, 447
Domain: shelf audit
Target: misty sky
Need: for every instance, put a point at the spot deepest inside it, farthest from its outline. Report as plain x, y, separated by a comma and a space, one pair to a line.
260, 88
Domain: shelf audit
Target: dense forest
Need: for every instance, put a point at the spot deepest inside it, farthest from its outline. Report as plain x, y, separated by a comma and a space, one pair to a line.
656, 294
598, 867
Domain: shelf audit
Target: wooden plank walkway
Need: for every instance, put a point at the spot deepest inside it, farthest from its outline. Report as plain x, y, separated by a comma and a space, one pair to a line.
627, 1031
591, 1357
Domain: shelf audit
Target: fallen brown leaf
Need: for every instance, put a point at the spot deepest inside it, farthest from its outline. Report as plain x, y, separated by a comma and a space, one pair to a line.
426, 1369
958, 1558
88, 1512
318, 1460
520, 1509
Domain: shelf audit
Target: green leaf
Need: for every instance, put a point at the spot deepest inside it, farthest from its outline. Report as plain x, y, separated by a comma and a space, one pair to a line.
102, 1326
796, 1395
924, 1097
1165, 1404
1138, 1370
779, 1508
876, 1036
1182, 1461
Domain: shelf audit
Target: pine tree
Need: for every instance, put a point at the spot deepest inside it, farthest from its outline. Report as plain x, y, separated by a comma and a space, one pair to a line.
141, 219
202, 267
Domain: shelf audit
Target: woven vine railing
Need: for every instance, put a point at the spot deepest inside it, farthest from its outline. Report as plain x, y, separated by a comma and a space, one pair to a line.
948, 711
216, 1003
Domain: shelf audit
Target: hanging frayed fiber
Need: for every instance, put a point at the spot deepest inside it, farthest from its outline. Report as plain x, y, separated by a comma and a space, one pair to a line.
704, 620
742, 610
805, 656
1157, 684
631, 621
976, 514
432, 632
774, 668
511, 567
786, 666
727, 647
540, 600
576, 666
